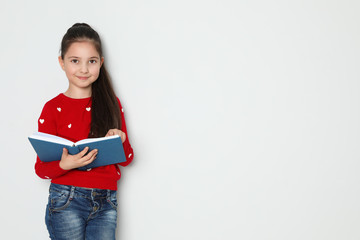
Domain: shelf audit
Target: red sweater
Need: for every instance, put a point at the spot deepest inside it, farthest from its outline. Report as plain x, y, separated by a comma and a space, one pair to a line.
70, 118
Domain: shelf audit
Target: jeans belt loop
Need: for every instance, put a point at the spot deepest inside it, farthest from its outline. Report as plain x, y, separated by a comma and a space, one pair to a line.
72, 191
108, 194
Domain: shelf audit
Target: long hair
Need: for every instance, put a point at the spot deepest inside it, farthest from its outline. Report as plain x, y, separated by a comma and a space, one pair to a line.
105, 112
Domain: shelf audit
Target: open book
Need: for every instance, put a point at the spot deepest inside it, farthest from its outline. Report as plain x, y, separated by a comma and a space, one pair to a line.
50, 147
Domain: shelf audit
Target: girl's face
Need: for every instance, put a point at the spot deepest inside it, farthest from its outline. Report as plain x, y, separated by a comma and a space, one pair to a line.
81, 64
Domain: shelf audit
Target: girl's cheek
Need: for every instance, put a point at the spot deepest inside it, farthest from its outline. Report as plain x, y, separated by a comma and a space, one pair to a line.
96, 71
94, 67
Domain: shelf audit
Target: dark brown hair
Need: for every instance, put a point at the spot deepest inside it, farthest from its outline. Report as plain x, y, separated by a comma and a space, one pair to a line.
105, 112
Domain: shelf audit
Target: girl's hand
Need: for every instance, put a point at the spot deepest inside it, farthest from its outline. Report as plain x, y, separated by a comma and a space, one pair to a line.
69, 161
113, 132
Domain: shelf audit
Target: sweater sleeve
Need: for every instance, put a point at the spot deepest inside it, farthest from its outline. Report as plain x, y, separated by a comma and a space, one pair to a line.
47, 124
129, 153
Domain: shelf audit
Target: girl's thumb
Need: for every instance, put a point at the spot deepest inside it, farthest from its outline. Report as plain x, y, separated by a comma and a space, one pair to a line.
65, 151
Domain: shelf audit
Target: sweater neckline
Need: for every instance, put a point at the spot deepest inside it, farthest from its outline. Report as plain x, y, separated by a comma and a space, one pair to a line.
74, 99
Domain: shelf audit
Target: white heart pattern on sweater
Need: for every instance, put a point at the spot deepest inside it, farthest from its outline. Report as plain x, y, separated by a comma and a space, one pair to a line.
69, 126
59, 109
88, 109
41, 121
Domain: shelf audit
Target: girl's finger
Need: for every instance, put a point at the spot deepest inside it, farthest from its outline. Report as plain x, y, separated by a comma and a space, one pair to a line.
90, 160
83, 152
123, 137
89, 155
109, 133
65, 152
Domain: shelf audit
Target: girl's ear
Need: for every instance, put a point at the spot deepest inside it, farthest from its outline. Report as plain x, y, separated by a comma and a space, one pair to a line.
61, 62
101, 61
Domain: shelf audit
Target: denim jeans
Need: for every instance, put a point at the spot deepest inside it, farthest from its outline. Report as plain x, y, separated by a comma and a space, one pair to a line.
74, 213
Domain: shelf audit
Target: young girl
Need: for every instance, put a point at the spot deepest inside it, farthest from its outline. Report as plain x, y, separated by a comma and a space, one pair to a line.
82, 204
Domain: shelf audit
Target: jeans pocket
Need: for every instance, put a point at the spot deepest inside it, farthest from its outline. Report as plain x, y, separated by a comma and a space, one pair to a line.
112, 200
58, 200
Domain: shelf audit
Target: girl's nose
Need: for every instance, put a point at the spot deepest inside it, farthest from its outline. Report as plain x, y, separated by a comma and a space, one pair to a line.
84, 68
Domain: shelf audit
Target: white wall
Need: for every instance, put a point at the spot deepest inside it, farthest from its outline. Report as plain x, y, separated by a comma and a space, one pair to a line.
243, 115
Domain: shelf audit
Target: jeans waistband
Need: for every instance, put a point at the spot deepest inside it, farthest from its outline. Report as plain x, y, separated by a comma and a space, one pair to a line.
91, 192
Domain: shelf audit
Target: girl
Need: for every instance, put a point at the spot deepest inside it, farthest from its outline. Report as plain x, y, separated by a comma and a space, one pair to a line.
82, 204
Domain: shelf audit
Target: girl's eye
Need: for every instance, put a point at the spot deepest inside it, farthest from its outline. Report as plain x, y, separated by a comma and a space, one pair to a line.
92, 61
74, 61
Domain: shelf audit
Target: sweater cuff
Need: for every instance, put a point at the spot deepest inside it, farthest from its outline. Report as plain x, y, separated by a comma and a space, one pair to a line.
129, 155
58, 171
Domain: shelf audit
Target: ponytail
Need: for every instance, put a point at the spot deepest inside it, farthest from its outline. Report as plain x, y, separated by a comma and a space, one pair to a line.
105, 112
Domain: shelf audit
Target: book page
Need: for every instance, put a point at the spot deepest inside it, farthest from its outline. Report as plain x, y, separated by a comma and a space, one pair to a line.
90, 140
51, 138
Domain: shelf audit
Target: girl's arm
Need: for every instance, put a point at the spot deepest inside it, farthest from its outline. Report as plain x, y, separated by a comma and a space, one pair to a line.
129, 153
47, 124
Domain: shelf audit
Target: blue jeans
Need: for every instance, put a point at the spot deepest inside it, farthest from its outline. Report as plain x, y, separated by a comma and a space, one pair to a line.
75, 213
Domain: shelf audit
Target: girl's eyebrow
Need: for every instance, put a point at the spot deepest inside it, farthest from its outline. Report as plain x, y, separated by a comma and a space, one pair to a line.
80, 57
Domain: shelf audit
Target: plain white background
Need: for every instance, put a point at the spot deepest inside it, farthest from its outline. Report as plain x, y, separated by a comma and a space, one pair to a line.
243, 115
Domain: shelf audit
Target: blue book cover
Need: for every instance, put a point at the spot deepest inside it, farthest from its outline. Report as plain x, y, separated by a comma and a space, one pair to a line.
50, 147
